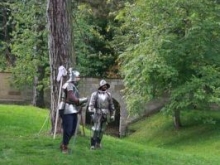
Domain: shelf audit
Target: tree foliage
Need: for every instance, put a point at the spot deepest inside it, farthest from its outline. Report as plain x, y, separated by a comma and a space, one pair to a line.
28, 44
95, 32
173, 48
28, 40
7, 59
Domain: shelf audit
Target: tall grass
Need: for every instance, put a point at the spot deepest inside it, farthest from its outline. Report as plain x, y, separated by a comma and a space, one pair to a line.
23, 142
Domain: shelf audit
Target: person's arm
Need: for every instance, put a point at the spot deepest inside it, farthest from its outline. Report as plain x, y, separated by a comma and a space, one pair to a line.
92, 102
111, 104
72, 98
111, 107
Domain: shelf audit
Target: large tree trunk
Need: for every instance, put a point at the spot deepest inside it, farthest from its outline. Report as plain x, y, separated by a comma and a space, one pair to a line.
60, 47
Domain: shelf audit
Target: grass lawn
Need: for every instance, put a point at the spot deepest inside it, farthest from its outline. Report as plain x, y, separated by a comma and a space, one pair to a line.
154, 142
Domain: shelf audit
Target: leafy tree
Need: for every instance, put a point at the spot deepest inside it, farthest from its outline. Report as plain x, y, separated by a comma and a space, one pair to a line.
172, 48
28, 45
95, 31
7, 59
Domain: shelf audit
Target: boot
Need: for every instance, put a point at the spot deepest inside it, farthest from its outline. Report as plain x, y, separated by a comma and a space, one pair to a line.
92, 147
98, 143
64, 148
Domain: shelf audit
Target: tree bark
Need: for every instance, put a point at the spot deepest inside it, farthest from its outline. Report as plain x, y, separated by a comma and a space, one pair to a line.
176, 118
38, 93
60, 45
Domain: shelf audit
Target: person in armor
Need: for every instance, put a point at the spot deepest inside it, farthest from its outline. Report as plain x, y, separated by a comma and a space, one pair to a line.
103, 111
69, 108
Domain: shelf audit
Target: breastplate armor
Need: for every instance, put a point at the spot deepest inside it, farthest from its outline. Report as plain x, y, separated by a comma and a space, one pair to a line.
103, 101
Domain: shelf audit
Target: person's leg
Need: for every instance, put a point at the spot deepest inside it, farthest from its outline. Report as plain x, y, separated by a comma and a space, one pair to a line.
100, 135
74, 123
95, 131
94, 136
67, 130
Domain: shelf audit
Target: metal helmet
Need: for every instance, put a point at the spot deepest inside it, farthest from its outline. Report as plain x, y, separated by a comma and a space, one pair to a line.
73, 74
102, 83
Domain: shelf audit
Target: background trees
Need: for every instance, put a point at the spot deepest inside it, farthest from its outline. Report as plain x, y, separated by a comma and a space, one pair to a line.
7, 59
173, 49
24, 43
28, 46
95, 32
165, 47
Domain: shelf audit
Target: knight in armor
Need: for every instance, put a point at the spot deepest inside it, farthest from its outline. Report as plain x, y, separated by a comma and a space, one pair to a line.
69, 108
103, 111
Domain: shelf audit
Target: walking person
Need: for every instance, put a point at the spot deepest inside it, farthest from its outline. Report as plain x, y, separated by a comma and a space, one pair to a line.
103, 111
70, 105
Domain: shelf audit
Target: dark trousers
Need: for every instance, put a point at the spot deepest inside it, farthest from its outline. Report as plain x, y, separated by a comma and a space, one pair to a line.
69, 127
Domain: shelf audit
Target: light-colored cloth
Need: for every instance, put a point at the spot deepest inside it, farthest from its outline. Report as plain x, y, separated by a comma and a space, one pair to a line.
61, 72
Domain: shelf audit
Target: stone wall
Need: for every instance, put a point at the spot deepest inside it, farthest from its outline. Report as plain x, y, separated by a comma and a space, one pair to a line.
10, 94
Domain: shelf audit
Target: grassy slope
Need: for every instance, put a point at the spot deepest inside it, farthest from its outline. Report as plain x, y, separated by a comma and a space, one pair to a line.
199, 135
155, 143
